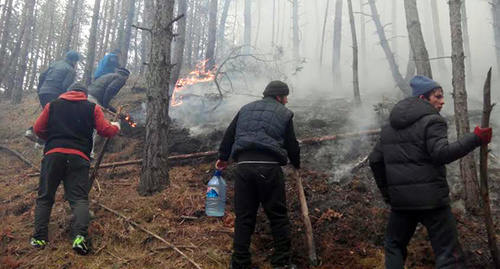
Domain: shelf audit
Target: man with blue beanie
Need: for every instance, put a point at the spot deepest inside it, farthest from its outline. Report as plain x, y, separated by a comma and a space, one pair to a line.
408, 164
53, 82
108, 63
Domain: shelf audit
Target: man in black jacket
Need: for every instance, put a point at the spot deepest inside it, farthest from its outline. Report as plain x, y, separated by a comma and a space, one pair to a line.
103, 89
260, 139
53, 82
408, 164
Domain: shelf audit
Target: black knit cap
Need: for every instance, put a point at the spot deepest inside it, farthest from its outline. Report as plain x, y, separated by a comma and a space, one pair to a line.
123, 71
79, 87
275, 88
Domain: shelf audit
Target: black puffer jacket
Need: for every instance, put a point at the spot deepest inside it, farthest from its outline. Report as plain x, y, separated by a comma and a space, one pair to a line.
106, 87
57, 78
408, 162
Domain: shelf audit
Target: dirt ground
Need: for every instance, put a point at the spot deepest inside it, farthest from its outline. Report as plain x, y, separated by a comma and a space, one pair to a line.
347, 213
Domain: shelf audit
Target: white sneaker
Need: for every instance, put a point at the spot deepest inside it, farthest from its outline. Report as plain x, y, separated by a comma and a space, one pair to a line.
31, 135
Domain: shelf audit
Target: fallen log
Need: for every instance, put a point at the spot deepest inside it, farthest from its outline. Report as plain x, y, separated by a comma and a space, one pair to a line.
306, 141
18, 155
136, 225
483, 173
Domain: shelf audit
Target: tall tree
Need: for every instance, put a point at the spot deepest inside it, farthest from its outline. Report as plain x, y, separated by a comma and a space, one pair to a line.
296, 40
212, 32
417, 43
179, 42
247, 35
5, 34
467, 164
89, 65
70, 29
19, 77
465, 28
322, 45
337, 41
396, 75
222, 27
394, 24
437, 35
154, 176
363, 35
128, 32
355, 77
495, 9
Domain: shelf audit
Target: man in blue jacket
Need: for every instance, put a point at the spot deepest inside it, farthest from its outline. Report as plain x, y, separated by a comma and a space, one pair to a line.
108, 63
408, 164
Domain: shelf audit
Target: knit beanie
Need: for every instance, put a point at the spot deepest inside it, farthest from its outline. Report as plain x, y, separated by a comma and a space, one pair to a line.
421, 85
73, 56
79, 87
123, 71
275, 88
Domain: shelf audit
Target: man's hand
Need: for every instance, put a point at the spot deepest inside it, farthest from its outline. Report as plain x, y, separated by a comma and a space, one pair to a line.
221, 165
117, 124
484, 133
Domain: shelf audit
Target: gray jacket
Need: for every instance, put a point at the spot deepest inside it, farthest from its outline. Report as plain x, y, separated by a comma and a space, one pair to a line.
57, 78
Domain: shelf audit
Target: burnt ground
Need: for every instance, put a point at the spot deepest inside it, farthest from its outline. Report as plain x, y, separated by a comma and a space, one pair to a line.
347, 213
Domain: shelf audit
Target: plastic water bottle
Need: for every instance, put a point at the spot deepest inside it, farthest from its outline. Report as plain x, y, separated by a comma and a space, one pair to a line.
216, 196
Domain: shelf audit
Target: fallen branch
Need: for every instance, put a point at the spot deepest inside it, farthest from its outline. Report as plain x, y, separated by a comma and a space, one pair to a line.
133, 223
18, 155
306, 141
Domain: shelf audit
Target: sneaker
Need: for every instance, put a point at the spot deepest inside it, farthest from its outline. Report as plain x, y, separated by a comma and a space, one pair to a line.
31, 135
37, 243
80, 245
39, 146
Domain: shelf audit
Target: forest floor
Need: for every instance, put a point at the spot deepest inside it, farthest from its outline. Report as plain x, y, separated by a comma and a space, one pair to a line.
347, 213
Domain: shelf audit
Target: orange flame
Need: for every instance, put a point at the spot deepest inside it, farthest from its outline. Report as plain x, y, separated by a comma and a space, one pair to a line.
130, 121
198, 75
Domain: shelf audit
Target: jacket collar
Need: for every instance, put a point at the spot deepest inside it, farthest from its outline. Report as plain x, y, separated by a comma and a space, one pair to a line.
73, 96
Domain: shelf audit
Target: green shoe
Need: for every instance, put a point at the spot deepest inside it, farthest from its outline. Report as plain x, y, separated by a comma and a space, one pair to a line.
37, 243
80, 245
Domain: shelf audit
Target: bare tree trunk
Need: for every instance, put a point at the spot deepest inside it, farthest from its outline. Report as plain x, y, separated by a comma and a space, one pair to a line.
50, 38
212, 32
127, 32
437, 36
337, 41
222, 27
402, 84
179, 43
495, 9
247, 35
89, 65
103, 22
363, 37
154, 176
258, 24
323, 35
394, 27
108, 35
417, 43
465, 27
355, 78
5, 35
467, 164
410, 66
145, 37
26, 24
274, 22
70, 29
296, 40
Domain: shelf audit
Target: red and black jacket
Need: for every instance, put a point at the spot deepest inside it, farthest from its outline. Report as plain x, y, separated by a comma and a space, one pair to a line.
67, 123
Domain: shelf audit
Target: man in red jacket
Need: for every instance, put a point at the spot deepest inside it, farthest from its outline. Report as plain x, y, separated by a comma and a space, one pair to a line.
66, 124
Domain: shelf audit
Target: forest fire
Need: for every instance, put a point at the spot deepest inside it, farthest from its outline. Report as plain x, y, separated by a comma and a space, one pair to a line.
198, 75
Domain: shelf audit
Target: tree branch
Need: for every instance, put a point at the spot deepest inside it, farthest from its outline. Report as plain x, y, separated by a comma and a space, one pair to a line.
174, 20
142, 28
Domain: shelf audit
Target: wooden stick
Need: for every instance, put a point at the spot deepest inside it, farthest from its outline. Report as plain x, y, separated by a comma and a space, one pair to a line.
307, 222
483, 172
133, 223
103, 150
337, 136
18, 155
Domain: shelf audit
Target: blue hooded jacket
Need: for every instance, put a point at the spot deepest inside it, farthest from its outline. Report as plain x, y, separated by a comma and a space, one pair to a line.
107, 65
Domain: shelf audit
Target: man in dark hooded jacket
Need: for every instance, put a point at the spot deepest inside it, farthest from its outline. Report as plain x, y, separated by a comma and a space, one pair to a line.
408, 164
103, 89
53, 82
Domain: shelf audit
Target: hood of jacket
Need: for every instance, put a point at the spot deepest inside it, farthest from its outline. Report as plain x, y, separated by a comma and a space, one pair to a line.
74, 96
409, 110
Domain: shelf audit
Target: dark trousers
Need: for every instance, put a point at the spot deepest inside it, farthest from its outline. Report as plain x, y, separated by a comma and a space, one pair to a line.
73, 171
442, 230
260, 184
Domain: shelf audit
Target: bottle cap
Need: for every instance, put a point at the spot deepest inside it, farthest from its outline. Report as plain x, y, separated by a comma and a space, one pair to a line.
218, 173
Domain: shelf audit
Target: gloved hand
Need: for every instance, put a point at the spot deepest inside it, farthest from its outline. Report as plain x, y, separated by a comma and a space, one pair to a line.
117, 124
221, 165
484, 133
